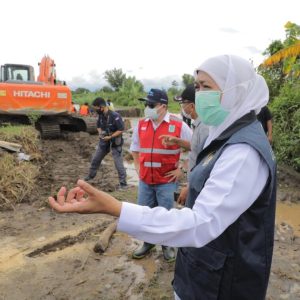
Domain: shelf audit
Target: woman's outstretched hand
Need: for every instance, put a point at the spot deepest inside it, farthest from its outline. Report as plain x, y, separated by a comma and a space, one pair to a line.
85, 199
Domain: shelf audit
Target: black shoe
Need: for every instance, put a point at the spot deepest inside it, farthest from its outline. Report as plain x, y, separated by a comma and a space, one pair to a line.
142, 251
169, 253
88, 178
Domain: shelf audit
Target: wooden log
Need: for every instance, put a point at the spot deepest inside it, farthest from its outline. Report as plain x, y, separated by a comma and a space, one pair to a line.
105, 237
10, 146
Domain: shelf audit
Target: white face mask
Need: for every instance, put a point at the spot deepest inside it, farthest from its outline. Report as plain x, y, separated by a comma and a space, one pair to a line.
151, 113
186, 115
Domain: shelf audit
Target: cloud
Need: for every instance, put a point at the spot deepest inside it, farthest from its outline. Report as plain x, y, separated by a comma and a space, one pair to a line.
253, 50
160, 83
228, 30
93, 81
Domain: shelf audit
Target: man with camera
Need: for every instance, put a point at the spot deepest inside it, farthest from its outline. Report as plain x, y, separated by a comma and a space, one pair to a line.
110, 127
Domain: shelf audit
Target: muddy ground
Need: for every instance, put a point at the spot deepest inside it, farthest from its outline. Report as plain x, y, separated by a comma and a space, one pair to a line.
45, 255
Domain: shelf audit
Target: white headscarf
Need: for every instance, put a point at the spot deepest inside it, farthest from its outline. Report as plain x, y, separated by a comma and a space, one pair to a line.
243, 89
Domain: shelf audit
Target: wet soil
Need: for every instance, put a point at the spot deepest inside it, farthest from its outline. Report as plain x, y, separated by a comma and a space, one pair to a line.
45, 255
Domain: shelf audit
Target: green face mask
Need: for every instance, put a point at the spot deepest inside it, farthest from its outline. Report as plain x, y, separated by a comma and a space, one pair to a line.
209, 109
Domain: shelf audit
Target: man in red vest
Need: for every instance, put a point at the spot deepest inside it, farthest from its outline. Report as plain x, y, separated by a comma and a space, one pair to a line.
156, 163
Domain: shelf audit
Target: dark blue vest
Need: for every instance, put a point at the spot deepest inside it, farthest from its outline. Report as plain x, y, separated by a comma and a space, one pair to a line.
236, 265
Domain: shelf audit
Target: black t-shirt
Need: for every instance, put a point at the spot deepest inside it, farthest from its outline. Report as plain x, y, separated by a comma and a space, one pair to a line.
263, 117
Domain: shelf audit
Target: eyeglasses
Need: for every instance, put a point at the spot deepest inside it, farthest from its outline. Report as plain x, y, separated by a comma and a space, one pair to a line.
185, 104
151, 105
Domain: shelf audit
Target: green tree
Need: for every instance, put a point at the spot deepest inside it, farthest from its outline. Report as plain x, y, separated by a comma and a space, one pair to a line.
115, 78
273, 74
286, 124
106, 89
175, 83
173, 90
281, 70
81, 90
283, 60
130, 91
187, 79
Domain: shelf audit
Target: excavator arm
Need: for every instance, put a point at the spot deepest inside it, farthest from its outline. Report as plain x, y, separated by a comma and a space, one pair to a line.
47, 72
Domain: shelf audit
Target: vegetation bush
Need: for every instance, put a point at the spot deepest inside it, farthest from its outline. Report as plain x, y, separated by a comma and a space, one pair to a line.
17, 178
27, 136
286, 124
281, 69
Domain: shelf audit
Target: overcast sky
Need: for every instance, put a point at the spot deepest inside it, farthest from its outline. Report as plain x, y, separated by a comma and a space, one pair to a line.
157, 41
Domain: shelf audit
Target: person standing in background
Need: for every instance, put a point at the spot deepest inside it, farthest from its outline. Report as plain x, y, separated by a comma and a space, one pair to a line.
265, 118
200, 133
84, 109
110, 105
73, 108
157, 164
110, 127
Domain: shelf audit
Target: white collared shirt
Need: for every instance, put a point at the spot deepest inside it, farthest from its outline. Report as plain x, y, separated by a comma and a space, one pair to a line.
200, 133
186, 133
235, 182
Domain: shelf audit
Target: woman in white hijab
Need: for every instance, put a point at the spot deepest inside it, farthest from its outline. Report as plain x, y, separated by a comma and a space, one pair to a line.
225, 232
240, 94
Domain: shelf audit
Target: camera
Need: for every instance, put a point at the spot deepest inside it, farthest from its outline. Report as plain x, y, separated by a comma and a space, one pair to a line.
103, 134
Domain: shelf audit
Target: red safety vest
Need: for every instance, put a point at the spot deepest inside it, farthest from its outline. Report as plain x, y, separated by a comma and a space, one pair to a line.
156, 159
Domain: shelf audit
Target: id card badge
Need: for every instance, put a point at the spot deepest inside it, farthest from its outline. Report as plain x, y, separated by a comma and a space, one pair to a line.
171, 128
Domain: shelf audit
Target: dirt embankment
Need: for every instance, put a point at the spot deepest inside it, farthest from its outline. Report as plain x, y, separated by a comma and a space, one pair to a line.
45, 255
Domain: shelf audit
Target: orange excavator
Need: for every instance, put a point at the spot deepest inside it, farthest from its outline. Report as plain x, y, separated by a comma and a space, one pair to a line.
46, 100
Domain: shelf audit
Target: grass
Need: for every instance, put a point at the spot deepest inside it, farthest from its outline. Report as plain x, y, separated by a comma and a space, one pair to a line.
27, 136
17, 178
10, 130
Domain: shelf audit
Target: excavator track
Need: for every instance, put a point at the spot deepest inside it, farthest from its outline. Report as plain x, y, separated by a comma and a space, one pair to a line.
90, 123
49, 130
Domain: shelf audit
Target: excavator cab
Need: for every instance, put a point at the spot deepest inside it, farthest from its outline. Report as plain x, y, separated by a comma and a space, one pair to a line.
13, 73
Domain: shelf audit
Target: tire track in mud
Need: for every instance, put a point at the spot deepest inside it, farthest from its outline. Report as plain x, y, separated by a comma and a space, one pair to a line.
68, 240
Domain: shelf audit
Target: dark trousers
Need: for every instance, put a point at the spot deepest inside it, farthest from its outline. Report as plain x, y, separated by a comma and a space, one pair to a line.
101, 152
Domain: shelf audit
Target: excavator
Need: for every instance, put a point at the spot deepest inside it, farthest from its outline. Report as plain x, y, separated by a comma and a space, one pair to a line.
46, 101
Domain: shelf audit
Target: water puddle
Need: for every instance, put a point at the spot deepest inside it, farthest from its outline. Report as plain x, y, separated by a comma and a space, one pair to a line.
132, 176
290, 214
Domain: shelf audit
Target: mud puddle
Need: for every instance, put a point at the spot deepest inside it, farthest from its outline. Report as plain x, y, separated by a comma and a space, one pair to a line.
290, 214
132, 177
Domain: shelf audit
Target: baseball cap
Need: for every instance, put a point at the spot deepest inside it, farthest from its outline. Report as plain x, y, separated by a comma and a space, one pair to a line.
156, 96
188, 95
99, 102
